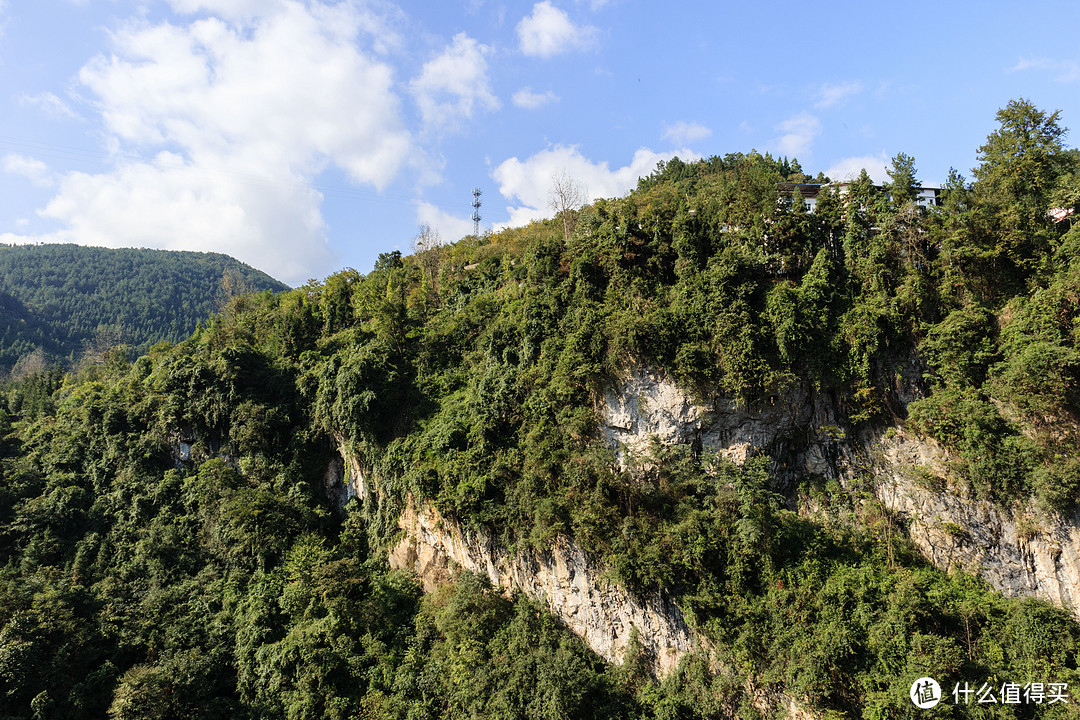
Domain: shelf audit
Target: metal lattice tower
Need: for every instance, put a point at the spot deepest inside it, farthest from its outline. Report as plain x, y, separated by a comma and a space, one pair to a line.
476, 193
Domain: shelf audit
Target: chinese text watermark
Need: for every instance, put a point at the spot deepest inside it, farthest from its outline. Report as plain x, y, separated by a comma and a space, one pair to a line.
926, 693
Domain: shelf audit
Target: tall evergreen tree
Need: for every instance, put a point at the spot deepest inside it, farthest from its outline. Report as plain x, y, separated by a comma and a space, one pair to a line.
902, 185
1019, 166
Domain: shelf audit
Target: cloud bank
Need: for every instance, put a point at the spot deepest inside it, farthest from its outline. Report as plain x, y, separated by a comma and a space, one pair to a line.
684, 133
549, 32
528, 182
450, 227
799, 132
876, 167
219, 126
527, 99
1064, 71
455, 84
829, 94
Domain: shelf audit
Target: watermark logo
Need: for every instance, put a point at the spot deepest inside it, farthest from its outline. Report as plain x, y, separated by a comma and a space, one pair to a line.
925, 693
1010, 693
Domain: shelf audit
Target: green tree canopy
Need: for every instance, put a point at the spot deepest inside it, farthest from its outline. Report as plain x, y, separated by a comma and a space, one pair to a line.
1019, 167
903, 184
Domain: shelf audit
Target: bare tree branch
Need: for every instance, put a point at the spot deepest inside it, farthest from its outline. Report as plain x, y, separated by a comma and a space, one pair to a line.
566, 198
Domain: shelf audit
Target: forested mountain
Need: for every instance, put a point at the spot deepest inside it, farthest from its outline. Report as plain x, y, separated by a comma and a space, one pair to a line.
58, 301
170, 548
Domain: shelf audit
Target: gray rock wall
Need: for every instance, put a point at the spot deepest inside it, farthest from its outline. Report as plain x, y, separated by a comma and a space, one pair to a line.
1014, 552
1017, 553
798, 427
565, 578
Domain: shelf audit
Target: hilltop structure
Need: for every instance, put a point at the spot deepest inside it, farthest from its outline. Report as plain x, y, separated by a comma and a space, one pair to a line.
924, 196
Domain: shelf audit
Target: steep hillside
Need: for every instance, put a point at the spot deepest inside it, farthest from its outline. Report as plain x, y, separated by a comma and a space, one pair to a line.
694, 452
62, 300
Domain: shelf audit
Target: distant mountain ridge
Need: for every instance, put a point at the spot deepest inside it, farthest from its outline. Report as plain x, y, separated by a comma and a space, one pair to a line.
58, 300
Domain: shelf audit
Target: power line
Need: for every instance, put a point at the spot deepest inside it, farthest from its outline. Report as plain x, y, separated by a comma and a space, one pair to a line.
66, 152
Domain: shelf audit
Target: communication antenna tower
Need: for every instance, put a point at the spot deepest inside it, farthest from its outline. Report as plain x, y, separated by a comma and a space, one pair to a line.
476, 193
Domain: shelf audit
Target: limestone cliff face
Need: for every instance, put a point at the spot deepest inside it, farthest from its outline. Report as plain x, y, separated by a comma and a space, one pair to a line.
1016, 555
564, 578
344, 478
799, 428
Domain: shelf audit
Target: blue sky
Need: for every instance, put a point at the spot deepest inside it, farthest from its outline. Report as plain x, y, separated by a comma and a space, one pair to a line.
306, 136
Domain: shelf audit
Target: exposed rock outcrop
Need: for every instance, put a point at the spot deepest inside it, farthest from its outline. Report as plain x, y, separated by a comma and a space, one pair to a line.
798, 428
800, 431
345, 479
1014, 554
564, 578
646, 404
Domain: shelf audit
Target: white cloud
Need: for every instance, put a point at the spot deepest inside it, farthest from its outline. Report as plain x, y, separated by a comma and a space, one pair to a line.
849, 168
32, 169
683, 133
1064, 70
526, 98
226, 8
799, 133
529, 182
549, 32
450, 227
343, 19
289, 93
829, 94
455, 83
250, 113
174, 205
51, 105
